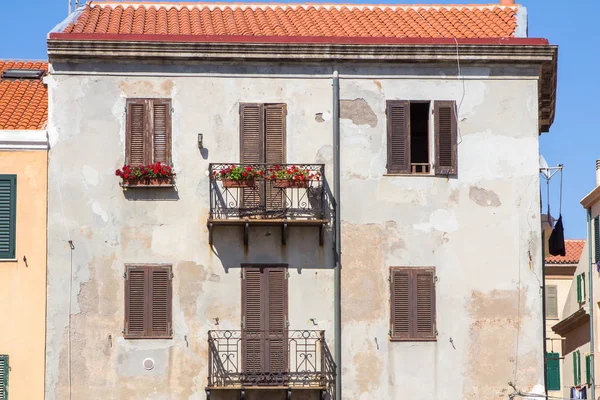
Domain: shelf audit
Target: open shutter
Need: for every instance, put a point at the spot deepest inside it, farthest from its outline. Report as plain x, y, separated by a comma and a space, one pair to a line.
136, 138
576, 368
588, 369
597, 238
398, 137
277, 319
136, 284
446, 148
160, 301
252, 148
425, 303
8, 211
551, 302
252, 320
161, 129
4, 377
400, 304
553, 371
579, 294
275, 115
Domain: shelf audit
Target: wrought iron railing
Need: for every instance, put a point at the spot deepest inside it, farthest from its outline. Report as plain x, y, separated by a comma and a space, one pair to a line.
270, 358
265, 196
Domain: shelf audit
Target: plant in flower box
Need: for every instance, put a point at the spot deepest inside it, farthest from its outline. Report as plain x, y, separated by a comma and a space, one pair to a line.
146, 175
238, 176
159, 174
292, 177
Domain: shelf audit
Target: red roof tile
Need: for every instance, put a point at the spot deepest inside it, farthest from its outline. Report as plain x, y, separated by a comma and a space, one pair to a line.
23, 103
348, 21
573, 248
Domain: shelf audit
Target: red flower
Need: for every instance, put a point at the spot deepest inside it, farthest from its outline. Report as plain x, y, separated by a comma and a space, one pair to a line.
126, 176
244, 173
248, 169
262, 172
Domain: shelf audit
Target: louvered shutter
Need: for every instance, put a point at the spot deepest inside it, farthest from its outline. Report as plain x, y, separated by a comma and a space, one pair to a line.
160, 301
597, 238
8, 211
588, 369
579, 294
400, 304
398, 137
135, 302
252, 148
136, 133
446, 149
275, 115
551, 302
161, 131
4, 368
253, 320
276, 319
425, 304
553, 371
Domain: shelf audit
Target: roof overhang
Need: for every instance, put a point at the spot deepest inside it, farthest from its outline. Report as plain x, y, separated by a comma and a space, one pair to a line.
560, 269
591, 198
573, 321
23, 140
70, 47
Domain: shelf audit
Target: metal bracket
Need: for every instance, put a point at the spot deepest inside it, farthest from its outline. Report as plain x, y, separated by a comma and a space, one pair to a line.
207, 393
243, 394
284, 233
288, 394
323, 394
322, 235
246, 234
210, 233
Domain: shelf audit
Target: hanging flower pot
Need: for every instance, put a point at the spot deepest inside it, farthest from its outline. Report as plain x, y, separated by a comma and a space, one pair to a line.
242, 183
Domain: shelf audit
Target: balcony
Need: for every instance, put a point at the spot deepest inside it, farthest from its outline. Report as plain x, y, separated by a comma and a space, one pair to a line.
270, 198
284, 360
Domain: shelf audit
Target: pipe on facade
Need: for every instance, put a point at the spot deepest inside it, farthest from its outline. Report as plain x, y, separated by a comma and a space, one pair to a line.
337, 308
544, 307
591, 302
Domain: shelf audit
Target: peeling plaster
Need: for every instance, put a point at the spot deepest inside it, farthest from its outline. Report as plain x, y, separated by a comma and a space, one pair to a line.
358, 111
440, 220
483, 197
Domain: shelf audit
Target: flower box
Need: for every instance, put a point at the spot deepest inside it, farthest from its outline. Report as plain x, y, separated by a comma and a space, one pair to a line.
242, 183
289, 183
160, 181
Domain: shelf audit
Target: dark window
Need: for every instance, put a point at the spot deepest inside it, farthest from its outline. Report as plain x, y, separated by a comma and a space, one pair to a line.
8, 212
553, 371
551, 302
4, 368
148, 301
412, 303
409, 149
148, 134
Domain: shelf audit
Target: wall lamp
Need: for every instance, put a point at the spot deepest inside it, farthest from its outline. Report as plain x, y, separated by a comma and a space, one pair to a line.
200, 139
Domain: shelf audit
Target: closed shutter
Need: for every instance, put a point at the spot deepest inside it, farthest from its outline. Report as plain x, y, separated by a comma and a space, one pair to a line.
252, 320
398, 137
148, 133
161, 128
551, 302
553, 371
597, 238
136, 141
576, 368
413, 303
8, 212
4, 368
579, 294
401, 312
277, 319
275, 115
252, 148
425, 304
588, 369
445, 138
148, 302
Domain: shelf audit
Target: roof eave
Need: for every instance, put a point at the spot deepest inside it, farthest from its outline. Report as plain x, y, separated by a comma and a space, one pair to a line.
573, 321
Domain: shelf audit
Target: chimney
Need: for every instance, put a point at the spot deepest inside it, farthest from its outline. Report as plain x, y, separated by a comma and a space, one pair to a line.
597, 172
507, 2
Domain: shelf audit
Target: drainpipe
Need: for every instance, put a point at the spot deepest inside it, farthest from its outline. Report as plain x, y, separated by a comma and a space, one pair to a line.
544, 306
591, 300
337, 276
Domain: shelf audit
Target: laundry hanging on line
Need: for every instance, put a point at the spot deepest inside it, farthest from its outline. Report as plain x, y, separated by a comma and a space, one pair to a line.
556, 243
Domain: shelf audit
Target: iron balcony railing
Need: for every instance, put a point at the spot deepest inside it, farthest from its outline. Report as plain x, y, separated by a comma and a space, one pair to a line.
289, 359
267, 197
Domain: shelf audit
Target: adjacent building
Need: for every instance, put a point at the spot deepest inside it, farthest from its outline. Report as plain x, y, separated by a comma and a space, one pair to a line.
23, 194
220, 281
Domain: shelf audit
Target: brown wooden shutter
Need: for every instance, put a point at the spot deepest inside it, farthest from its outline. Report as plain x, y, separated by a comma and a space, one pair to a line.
277, 319
135, 141
425, 304
253, 320
446, 149
252, 148
398, 136
275, 115
160, 301
400, 303
161, 128
135, 301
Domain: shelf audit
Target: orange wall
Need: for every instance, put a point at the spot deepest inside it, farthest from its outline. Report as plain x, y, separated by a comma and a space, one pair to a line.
23, 286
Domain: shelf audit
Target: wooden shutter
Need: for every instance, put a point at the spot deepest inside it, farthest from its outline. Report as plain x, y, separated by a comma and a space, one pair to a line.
576, 368
401, 312
588, 369
253, 320
136, 141
276, 319
579, 294
553, 371
398, 137
551, 302
446, 149
425, 304
148, 294
275, 129
4, 368
597, 238
252, 148
8, 212
161, 130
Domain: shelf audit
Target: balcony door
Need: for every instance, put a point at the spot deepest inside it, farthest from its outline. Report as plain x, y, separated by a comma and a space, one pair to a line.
265, 322
262, 140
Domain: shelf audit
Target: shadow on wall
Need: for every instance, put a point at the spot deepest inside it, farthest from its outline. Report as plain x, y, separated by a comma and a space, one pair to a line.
152, 193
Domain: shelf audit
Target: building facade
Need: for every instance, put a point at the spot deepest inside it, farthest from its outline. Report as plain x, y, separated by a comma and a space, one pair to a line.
220, 281
23, 194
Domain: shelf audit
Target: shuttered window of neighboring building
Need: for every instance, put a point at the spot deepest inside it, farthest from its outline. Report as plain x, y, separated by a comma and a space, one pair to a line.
148, 133
588, 369
4, 368
576, 368
8, 212
412, 302
597, 238
553, 371
551, 302
148, 303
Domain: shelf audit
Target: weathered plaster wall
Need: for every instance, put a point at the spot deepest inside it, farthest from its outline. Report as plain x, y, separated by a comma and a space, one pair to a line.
23, 285
480, 230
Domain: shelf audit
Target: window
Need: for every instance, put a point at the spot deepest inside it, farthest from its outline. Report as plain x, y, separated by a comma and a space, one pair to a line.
148, 301
409, 150
4, 368
551, 302
588, 369
148, 133
553, 371
8, 212
412, 303
581, 288
597, 238
576, 368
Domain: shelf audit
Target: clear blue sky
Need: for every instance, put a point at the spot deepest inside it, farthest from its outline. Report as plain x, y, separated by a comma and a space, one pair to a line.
574, 140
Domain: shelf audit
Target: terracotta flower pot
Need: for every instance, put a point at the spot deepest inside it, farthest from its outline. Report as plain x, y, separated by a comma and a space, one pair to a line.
159, 181
132, 182
289, 183
244, 183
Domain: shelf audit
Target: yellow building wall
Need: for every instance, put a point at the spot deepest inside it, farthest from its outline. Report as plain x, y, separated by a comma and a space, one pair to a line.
23, 285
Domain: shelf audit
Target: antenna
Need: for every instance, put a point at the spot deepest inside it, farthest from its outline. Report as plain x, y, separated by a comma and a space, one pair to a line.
69, 13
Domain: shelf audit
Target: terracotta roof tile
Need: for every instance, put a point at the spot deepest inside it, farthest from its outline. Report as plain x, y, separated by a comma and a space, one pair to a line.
359, 21
23, 103
573, 248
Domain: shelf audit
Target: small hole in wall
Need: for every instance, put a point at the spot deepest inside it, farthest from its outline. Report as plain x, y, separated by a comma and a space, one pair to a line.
148, 364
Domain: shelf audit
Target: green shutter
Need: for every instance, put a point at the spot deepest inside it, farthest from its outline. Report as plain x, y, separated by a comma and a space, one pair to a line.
8, 210
597, 238
579, 289
3, 377
553, 371
583, 291
576, 368
588, 369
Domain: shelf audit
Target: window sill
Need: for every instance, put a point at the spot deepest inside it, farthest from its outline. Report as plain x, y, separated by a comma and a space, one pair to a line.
166, 186
147, 337
8, 260
413, 339
427, 174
